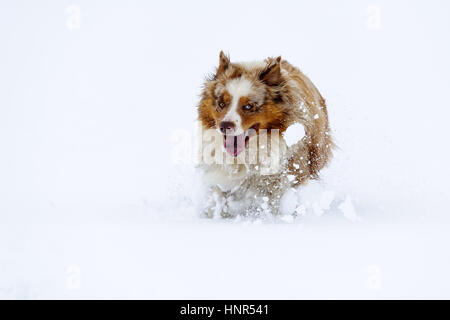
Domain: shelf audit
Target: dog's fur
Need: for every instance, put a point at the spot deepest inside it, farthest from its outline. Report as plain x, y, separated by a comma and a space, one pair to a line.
279, 95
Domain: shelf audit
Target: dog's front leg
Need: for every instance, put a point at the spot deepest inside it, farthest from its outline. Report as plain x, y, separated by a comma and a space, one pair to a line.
215, 203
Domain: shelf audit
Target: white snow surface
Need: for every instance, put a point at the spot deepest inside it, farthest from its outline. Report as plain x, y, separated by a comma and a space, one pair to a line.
97, 200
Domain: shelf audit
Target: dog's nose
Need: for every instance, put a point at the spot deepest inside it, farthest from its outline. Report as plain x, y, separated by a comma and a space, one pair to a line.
226, 126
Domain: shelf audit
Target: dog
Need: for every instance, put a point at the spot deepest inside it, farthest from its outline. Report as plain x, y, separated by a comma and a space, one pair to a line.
245, 105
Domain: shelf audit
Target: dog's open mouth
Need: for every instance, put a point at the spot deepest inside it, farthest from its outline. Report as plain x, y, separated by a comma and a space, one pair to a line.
234, 145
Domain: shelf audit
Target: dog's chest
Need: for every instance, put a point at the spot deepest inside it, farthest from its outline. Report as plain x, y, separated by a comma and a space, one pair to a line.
227, 177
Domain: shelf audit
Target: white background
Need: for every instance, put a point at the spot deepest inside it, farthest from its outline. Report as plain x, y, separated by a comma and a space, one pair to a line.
93, 205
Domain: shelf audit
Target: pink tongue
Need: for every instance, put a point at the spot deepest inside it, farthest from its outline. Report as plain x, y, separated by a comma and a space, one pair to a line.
235, 144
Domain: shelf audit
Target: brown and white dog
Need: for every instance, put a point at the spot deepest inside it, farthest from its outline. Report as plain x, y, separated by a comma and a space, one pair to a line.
240, 103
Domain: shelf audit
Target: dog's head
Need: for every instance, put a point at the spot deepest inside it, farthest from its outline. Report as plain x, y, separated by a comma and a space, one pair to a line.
243, 98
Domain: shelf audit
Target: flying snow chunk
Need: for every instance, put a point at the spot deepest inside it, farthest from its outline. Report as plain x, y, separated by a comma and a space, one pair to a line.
348, 210
301, 210
294, 134
288, 202
315, 198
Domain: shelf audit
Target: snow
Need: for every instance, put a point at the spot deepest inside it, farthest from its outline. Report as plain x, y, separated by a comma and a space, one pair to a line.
316, 198
348, 210
293, 134
289, 203
97, 201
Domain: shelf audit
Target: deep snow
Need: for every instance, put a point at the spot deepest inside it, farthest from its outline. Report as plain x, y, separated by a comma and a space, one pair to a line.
97, 200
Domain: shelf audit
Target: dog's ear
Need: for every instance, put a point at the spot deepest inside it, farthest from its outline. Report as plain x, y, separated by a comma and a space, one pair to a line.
224, 63
271, 75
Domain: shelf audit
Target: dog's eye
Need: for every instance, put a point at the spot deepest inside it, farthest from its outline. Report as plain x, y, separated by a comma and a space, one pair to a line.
247, 107
222, 105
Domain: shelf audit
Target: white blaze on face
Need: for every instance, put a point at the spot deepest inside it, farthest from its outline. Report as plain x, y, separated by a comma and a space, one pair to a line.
237, 88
